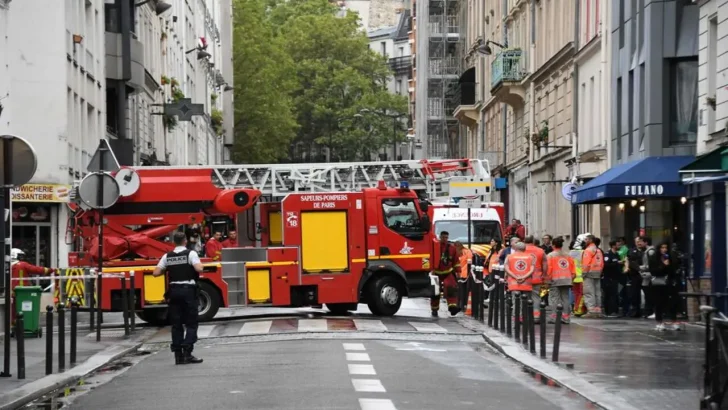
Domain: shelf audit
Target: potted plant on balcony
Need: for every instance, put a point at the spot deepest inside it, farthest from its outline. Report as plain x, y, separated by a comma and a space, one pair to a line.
710, 101
170, 122
165, 80
216, 121
544, 133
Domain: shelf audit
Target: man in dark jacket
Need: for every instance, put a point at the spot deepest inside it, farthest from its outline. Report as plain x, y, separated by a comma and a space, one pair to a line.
634, 260
612, 272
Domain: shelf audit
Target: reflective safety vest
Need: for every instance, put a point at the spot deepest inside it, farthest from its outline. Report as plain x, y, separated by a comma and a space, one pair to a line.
540, 255
519, 264
592, 260
575, 255
561, 268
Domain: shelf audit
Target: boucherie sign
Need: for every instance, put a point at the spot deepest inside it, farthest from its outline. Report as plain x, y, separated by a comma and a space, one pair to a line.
643, 190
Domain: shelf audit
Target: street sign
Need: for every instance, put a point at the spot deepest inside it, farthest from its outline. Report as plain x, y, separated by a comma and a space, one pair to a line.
90, 193
469, 203
23, 162
184, 109
469, 186
567, 190
110, 164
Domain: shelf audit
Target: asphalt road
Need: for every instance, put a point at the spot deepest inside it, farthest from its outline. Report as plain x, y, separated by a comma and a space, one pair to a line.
328, 374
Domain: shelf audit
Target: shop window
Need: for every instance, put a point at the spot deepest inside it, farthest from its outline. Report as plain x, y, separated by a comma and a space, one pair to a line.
708, 205
27, 213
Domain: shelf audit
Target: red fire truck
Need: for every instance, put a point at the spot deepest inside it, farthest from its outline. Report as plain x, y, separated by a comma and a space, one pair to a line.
309, 234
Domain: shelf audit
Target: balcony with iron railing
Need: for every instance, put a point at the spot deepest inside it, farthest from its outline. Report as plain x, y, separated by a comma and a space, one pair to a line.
465, 99
507, 71
440, 26
401, 65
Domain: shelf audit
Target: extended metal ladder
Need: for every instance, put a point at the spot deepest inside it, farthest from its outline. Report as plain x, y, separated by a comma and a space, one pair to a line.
278, 180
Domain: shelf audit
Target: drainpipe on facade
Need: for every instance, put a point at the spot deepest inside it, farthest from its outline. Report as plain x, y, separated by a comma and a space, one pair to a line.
531, 105
504, 107
575, 123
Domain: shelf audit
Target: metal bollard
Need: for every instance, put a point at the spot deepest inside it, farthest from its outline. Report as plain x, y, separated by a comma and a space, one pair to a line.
531, 327
509, 314
49, 339
91, 297
525, 296
125, 306
132, 301
61, 338
502, 307
490, 308
20, 338
557, 333
99, 316
481, 293
517, 315
74, 329
542, 328
495, 304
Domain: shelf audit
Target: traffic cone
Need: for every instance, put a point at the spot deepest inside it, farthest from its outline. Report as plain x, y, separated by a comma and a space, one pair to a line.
469, 308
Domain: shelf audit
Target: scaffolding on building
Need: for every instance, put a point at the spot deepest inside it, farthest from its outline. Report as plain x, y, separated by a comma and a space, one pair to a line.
444, 67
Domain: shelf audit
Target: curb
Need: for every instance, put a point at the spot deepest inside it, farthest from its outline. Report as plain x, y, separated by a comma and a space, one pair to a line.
549, 373
34, 390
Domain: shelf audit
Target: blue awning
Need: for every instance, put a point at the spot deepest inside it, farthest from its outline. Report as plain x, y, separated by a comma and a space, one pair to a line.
651, 177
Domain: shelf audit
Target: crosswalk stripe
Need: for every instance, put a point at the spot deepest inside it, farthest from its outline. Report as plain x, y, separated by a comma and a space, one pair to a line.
376, 404
370, 325
312, 325
205, 330
256, 328
362, 369
428, 327
357, 357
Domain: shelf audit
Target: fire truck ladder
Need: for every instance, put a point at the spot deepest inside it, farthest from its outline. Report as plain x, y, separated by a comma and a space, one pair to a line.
278, 180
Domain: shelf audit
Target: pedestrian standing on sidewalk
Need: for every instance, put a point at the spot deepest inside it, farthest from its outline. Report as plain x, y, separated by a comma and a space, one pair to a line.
464, 255
519, 267
576, 252
624, 287
634, 275
490, 262
663, 284
546, 243
612, 273
592, 263
561, 273
649, 254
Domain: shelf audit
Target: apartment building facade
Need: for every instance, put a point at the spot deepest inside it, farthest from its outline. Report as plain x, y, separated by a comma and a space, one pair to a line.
70, 75
706, 176
519, 60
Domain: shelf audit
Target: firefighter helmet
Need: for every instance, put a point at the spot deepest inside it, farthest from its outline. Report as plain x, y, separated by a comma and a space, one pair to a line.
580, 241
16, 254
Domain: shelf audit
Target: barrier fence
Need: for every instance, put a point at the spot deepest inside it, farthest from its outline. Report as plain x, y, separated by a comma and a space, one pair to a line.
513, 312
74, 291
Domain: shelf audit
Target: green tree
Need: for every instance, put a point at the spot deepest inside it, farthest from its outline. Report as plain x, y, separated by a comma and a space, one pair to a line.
265, 123
337, 77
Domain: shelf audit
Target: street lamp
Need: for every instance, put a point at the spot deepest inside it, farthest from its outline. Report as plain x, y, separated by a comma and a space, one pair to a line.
485, 48
159, 7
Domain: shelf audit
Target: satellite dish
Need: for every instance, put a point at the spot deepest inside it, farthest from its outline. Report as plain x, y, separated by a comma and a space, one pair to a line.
128, 181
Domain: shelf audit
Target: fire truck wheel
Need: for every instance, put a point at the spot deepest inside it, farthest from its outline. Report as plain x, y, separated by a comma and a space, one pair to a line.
384, 296
209, 302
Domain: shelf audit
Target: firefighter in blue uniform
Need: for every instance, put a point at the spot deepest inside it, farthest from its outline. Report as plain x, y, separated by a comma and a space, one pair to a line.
183, 268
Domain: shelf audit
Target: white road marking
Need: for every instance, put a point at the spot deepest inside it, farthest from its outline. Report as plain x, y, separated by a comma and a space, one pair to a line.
362, 369
369, 325
354, 346
357, 357
256, 328
205, 331
428, 327
368, 385
312, 325
376, 404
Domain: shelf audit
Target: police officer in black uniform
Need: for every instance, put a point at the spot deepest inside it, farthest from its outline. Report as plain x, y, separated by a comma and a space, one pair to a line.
183, 268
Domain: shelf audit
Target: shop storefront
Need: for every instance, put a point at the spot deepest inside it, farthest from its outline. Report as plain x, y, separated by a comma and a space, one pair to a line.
36, 224
705, 180
642, 197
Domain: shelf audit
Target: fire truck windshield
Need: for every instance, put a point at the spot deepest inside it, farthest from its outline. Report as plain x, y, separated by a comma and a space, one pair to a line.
482, 232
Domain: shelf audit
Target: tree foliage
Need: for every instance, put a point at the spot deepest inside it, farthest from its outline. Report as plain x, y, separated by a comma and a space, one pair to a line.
334, 84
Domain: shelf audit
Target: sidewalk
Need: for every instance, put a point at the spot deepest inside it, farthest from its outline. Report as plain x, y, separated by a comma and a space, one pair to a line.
619, 360
90, 355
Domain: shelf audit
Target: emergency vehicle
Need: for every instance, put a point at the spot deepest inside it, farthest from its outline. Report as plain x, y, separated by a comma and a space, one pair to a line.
486, 223
337, 234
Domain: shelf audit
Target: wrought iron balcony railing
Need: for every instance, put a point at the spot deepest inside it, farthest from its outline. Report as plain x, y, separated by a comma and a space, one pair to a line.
507, 67
401, 65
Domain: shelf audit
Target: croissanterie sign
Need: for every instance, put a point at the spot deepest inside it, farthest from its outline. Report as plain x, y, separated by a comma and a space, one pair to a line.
41, 193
